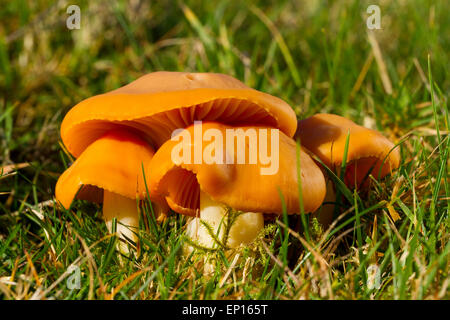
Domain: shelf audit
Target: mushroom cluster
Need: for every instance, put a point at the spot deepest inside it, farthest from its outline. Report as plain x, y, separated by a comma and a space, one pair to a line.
124, 143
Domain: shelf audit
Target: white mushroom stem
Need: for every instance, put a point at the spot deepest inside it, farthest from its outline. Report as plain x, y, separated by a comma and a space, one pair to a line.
243, 231
125, 210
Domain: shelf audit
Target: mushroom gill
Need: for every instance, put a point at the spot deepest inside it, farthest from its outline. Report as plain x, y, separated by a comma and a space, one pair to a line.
110, 170
161, 102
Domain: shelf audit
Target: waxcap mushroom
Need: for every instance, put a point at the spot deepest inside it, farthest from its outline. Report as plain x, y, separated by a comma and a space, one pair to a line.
239, 186
158, 103
111, 170
325, 136
113, 162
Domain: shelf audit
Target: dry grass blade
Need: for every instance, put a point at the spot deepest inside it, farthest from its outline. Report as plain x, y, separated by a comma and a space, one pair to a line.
319, 258
8, 169
362, 75
116, 289
41, 294
280, 264
380, 62
230, 268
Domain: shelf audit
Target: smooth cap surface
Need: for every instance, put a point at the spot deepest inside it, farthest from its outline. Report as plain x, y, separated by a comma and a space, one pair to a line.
115, 162
368, 150
240, 186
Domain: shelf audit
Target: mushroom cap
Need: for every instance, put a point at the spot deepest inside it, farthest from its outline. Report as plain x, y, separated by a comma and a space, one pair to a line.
239, 186
325, 136
160, 102
115, 162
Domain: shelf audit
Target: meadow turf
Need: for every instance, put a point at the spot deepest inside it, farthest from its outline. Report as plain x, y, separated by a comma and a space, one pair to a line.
388, 242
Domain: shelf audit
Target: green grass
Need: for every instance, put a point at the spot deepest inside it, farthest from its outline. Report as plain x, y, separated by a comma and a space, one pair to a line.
316, 55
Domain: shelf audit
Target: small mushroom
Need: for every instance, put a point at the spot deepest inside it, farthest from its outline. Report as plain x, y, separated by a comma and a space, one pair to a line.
209, 190
369, 152
110, 170
158, 103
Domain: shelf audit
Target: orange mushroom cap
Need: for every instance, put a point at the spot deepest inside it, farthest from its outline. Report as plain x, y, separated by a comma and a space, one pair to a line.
239, 186
160, 102
116, 162
325, 136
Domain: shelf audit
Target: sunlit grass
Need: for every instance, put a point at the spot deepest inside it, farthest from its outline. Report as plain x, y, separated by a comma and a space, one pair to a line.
317, 56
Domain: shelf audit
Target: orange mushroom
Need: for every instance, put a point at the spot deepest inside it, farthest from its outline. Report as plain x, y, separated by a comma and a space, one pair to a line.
110, 170
369, 152
160, 102
210, 167
152, 107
